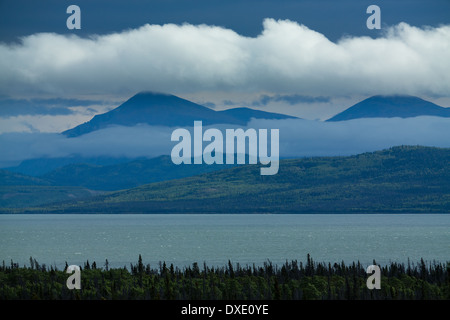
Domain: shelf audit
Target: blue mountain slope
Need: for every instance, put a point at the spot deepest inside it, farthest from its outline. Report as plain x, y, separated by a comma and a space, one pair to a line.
390, 107
167, 110
244, 115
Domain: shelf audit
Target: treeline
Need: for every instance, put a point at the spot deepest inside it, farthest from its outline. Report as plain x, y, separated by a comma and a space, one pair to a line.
291, 281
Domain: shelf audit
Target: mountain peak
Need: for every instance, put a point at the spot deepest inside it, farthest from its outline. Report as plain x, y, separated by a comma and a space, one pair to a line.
146, 99
390, 106
160, 109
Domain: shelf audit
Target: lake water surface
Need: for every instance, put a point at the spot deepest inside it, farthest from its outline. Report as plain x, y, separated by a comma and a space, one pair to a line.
215, 239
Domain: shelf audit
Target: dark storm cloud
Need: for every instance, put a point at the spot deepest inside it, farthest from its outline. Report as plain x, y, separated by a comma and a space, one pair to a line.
53, 106
210, 105
290, 99
16, 107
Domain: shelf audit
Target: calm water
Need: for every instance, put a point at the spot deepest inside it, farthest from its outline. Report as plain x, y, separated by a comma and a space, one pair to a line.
247, 239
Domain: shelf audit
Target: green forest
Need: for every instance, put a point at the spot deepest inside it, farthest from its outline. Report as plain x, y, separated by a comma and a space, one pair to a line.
405, 179
294, 280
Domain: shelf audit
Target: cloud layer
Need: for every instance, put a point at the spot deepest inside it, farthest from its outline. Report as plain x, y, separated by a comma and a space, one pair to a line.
298, 138
286, 58
54, 106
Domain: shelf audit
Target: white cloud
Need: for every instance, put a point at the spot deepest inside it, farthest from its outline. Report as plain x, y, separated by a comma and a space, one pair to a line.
285, 58
138, 141
299, 138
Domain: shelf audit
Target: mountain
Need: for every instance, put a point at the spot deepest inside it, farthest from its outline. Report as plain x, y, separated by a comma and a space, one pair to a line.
22, 196
118, 175
20, 191
390, 107
243, 115
40, 166
167, 110
125, 175
8, 178
400, 179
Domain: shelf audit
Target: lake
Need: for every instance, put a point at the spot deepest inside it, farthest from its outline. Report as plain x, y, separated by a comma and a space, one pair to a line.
215, 239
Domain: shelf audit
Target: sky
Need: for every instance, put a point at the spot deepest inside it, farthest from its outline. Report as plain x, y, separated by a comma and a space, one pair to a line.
310, 59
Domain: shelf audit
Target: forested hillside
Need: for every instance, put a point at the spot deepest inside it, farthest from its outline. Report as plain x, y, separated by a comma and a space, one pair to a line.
400, 179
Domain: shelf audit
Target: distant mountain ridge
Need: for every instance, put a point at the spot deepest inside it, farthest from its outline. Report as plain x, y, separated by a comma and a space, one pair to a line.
99, 173
37, 167
404, 179
167, 110
8, 178
125, 175
114, 176
391, 106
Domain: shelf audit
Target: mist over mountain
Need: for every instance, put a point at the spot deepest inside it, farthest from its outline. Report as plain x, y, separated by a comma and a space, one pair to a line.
400, 106
159, 109
121, 140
